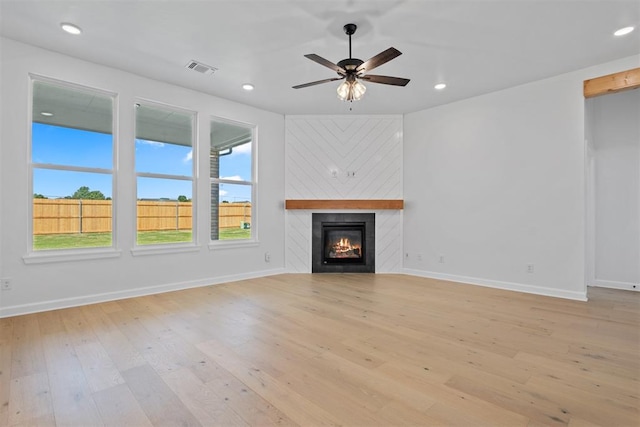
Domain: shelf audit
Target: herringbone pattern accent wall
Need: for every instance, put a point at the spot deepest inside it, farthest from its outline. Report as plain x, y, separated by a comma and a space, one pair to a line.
344, 157
322, 152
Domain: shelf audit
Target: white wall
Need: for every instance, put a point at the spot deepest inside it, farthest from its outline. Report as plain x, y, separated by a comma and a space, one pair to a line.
497, 182
50, 285
615, 142
321, 152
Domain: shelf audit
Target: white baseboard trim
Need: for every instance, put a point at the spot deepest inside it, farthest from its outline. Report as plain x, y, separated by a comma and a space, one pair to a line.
612, 284
509, 286
18, 310
400, 270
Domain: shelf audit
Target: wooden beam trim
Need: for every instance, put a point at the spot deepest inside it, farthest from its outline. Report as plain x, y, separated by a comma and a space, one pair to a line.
617, 82
344, 204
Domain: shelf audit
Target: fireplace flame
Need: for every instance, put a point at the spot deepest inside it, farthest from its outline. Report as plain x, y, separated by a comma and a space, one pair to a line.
343, 248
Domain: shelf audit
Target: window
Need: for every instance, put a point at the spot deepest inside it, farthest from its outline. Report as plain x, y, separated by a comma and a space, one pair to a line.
72, 152
232, 181
164, 171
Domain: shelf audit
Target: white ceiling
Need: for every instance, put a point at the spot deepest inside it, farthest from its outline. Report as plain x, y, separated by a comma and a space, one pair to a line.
475, 46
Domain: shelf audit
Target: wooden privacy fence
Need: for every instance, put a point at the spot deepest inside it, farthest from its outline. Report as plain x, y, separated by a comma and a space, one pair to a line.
57, 216
154, 216
234, 215
63, 216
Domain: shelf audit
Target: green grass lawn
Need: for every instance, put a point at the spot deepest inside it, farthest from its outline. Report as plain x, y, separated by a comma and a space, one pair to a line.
159, 237
66, 241
94, 240
234, 233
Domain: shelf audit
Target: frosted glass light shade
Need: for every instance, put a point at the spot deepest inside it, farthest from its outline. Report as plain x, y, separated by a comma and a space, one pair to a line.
351, 90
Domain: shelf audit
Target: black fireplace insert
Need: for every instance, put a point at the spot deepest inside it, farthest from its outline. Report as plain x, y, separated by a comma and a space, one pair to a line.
343, 243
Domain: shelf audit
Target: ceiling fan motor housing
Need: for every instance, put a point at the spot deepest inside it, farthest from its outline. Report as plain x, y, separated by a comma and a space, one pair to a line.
350, 29
350, 64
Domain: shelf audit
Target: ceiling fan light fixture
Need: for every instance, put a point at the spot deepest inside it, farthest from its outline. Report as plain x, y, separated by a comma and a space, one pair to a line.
351, 89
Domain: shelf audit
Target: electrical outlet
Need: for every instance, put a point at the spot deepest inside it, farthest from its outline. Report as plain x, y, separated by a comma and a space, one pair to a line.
267, 257
5, 284
530, 268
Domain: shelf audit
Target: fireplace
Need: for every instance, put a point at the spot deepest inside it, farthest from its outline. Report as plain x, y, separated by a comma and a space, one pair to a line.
343, 243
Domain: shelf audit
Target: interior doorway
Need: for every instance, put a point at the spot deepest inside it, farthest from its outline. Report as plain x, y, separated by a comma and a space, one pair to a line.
613, 190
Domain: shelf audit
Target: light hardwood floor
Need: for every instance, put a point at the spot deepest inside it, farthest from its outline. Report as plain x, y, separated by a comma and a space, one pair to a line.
352, 350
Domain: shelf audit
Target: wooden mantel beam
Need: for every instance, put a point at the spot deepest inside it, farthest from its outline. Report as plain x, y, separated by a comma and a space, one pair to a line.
343, 204
612, 83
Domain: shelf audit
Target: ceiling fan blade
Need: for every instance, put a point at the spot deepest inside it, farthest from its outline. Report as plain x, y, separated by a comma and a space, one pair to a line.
379, 59
317, 82
320, 60
385, 80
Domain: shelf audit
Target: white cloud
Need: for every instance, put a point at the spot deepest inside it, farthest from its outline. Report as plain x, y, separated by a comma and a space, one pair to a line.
153, 143
242, 149
223, 192
188, 157
232, 178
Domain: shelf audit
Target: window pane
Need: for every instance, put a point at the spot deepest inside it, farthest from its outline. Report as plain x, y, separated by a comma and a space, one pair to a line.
71, 147
71, 209
71, 127
60, 184
230, 159
164, 211
163, 141
232, 218
232, 145
236, 165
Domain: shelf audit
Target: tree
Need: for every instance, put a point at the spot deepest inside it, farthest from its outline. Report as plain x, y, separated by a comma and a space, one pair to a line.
39, 196
182, 198
85, 193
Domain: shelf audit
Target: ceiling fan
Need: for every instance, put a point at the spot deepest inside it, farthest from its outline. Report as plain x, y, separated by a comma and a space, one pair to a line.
353, 70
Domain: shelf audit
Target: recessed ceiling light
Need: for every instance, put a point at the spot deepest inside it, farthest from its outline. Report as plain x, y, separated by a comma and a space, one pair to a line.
71, 29
440, 86
248, 86
46, 114
623, 31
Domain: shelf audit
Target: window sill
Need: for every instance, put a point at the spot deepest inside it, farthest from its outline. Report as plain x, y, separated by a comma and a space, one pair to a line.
163, 249
233, 244
42, 257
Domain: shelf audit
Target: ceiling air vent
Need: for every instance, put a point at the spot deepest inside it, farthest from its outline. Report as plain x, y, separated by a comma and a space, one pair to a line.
200, 67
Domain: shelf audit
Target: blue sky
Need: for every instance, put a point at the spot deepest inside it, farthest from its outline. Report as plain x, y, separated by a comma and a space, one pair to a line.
65, 146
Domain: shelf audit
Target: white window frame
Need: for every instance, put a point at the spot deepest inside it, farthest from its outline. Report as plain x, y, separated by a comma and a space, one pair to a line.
71, 254
162, 248
253, 241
